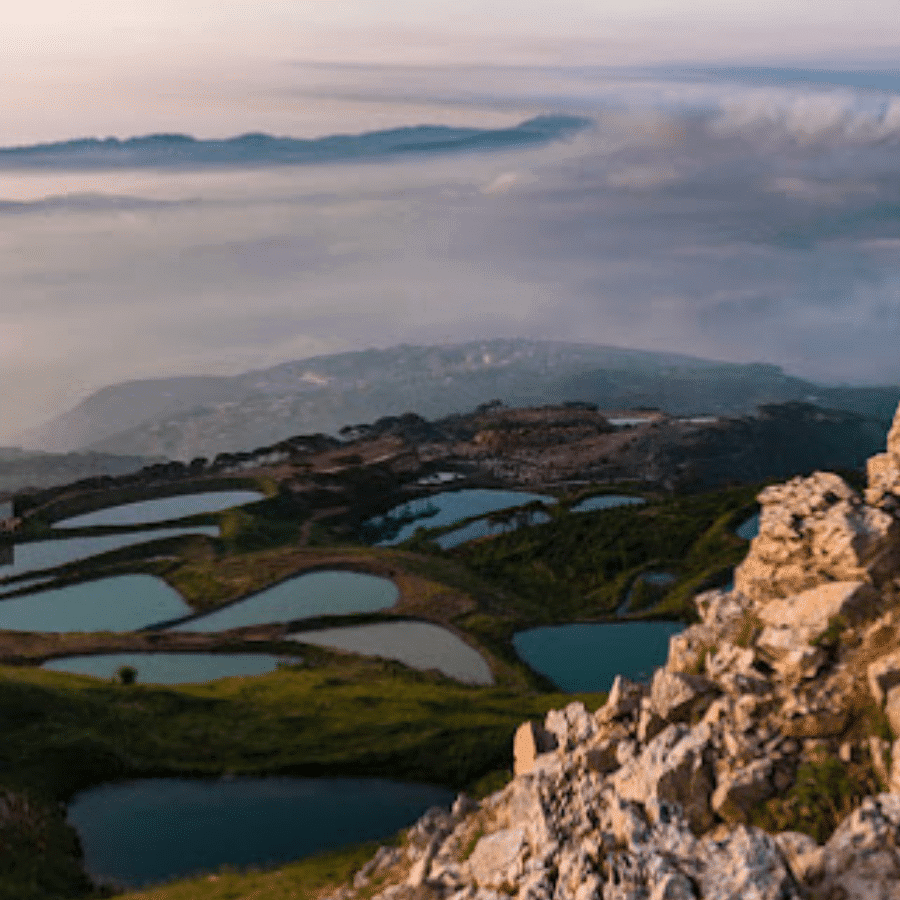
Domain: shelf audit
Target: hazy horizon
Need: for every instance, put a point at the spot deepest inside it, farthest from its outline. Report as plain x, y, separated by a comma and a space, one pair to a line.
726, 201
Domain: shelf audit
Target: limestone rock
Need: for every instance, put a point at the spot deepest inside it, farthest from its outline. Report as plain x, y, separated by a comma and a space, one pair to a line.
883, 674
673, 768
720, 609
624, 699
688, 649
879, 750
802, 854
741, 789
800, 663
893, 780
861, 858
674, 695
746, 865
812, 531
883, 472
529, 742
892, 708
570, 726
495, 858
808, 613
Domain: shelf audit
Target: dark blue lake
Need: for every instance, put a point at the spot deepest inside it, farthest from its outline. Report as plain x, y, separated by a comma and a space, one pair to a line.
587, 657
152, 830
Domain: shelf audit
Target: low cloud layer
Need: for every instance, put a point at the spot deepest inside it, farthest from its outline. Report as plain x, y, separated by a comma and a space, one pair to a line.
710, 216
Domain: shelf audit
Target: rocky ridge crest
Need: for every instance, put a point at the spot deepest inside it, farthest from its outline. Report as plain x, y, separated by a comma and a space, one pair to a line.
792, 675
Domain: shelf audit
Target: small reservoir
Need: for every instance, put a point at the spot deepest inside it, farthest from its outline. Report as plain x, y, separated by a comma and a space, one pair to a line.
606, 501
312, 594
34, 556
749, 529
152, 830
449, 507
587, 657
169, 668
419, 645
161, 509
122, 603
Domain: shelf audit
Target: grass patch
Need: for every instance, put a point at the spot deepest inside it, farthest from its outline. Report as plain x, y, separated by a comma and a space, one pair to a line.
576, 567
313, 877
824, 792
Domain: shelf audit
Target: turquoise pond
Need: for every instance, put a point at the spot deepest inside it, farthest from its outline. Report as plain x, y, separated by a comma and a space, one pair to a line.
149, 831
169, 668
587, 657
481, 528
449, 507
161, 509
33, 556
606, 501
749, 529
121, 603
420, 645
312, 594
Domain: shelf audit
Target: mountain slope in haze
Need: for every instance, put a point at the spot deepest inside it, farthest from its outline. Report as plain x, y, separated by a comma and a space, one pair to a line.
185, 418
22, 470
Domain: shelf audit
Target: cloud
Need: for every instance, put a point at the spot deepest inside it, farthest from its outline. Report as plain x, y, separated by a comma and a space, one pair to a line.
717, 219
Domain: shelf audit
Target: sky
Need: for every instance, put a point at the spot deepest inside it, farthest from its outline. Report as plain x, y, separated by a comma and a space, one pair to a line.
735, 194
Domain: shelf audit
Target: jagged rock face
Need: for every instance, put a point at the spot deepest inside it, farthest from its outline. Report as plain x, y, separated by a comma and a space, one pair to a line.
651, 797
883, 472
813, 531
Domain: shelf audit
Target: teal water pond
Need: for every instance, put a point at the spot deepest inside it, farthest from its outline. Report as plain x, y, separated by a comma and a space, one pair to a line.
122, 603
420, 645
152, 830
169, 668
161, 509
449, 507
481, 528
749, 529
606, 501
33, 556
587, 657
312, 594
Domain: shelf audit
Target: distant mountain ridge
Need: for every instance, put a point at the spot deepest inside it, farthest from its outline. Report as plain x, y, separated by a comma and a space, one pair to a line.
182, 418
174, 150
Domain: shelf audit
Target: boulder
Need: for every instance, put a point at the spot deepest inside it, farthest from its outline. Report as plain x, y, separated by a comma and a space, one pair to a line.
675, 695
673, 768
879, 750
719, 609
497, 857
892, 708
802, 854
808, 613
883, 471
529, 742
860, 859
812, 531
688, 650
624, 699
739, 790
745, 865
570, 726
800, 663
883, 674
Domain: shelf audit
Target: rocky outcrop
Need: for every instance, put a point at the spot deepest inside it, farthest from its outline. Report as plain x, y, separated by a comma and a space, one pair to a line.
655, 795
814, 531
883, 472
